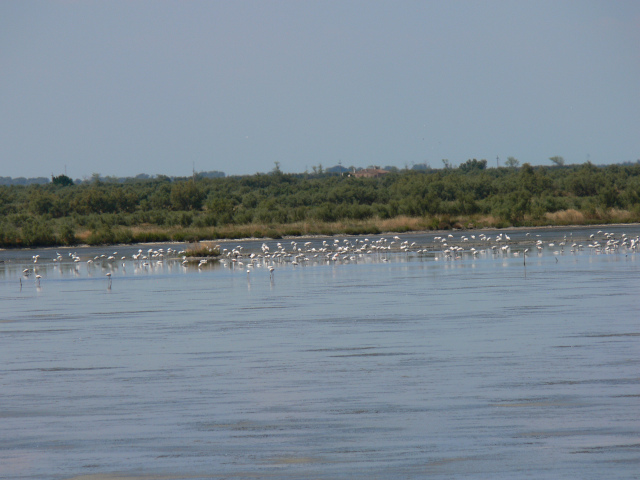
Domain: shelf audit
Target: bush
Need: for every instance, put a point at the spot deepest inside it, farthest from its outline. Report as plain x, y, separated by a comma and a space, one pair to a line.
37, 233
67, 233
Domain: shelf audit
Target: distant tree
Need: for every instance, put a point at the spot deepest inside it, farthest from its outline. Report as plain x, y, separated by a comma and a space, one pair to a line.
446, 163
276, 170
558, 161
61, 180
186, 196
472, 165
512, 162
338, 169
221, 209
40, 202
421, 166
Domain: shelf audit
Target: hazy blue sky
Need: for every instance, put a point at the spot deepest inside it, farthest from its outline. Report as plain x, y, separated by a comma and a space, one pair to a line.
127, 87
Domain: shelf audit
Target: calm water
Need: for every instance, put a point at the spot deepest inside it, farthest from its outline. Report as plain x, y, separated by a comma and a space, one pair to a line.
384, 365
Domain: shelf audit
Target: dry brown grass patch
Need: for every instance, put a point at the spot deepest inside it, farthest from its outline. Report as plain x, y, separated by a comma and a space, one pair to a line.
487, 221
566, 217
621, 216
83, 235
203, 249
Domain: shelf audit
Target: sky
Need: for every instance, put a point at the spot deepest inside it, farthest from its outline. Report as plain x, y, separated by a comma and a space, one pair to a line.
121, 88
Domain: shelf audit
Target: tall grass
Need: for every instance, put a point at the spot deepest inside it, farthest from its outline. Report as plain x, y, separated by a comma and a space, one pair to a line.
203, 249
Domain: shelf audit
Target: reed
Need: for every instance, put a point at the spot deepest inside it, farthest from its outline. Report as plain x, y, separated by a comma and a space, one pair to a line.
203, 249
566, 217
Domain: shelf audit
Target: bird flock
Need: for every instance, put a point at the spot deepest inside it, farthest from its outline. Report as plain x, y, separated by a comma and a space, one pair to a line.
448, 248
106, 264
274, 254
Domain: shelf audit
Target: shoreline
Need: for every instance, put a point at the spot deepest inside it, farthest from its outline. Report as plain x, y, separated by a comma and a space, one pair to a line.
391, 232
459, 231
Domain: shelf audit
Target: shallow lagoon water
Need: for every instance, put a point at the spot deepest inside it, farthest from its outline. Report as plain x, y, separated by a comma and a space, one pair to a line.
386, 366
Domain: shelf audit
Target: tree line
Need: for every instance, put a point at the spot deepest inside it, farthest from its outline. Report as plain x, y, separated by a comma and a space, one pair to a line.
162, 208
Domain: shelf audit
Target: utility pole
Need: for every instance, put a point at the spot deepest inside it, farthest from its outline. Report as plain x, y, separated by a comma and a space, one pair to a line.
498, 161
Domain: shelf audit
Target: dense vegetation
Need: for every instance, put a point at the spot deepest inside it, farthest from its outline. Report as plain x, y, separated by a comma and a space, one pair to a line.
276, 204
